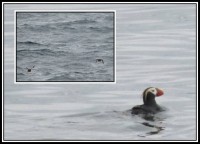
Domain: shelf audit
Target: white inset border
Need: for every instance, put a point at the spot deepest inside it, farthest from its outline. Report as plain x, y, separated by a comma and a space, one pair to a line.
49, 82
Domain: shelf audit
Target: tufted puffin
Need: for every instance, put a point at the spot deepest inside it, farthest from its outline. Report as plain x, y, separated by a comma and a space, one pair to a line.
150, 106
29, 69
100, 60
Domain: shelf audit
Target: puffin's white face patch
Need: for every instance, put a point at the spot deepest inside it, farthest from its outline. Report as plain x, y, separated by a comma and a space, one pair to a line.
152, 90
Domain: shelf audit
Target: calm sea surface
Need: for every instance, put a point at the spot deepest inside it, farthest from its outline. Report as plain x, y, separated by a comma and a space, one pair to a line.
155, 46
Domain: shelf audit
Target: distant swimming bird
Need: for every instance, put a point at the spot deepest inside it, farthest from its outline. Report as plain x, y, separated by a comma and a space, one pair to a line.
150, 106
100, 60
29, 69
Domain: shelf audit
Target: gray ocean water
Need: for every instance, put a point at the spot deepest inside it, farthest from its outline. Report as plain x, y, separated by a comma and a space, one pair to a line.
64, 46
155, 46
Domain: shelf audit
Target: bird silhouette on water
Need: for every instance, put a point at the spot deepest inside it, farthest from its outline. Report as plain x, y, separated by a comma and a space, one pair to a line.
100, 60
29, 69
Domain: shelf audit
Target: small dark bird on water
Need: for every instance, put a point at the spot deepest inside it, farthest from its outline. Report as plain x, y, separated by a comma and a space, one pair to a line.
100, 60
150, 107
29, 69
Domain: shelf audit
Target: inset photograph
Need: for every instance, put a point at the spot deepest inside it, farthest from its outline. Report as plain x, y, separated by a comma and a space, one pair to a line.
65, 46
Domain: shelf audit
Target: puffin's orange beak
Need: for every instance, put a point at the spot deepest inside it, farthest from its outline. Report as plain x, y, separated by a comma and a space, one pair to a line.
159, 92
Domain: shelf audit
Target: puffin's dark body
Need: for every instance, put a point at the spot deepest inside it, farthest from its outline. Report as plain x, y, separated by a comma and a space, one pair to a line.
150, 106
143, 109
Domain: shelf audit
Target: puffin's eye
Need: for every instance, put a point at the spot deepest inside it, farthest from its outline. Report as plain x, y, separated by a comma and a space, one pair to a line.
152, 90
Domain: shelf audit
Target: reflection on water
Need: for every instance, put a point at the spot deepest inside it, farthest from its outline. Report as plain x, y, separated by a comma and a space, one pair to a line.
156, 131
153, 121
157, 127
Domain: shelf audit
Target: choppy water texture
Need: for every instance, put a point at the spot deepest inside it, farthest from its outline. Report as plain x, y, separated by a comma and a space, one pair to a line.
64, 46
156, 46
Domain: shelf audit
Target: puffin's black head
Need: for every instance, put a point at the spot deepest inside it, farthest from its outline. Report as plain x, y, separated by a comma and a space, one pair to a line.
149, 95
